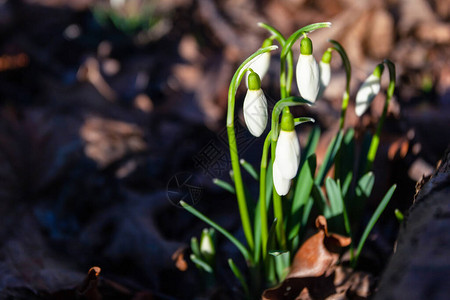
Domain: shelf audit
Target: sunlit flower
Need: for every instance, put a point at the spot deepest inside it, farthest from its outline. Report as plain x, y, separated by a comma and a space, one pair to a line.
287, 155
280, 183
368, 90
308, 78
260, 64
255, 106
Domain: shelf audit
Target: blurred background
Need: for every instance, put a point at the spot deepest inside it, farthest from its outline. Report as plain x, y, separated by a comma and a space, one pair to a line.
105, 106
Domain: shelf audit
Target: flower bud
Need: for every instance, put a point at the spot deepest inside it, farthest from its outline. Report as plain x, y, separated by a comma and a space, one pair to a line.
325, 72
287, 155
308, 78
255, 106
280, 183
260, 64
368, 90
207, 248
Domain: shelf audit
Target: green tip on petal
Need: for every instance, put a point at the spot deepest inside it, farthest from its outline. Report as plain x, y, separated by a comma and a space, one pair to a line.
306, 47
326, 57
267, 42
378, 70
254, 83
287, 121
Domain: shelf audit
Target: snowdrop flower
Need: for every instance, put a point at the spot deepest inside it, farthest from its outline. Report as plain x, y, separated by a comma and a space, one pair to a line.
260, 64
368, 90
207, 248
308, 78
287, 155
255, 106
325, 72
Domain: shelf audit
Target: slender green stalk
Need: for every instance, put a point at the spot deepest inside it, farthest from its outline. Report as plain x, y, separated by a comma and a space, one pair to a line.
348, 72
238, 274
376, 138
262, 196
239, 186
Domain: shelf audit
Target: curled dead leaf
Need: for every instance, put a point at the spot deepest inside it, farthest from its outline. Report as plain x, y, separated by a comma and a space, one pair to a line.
312, 271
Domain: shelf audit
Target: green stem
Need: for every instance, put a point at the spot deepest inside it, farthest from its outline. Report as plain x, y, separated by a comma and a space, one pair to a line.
262, 196
376, 138
348, 72
239, 186
278, 207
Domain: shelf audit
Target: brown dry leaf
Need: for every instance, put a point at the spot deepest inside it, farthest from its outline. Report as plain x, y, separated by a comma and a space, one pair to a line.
312, 268
89, 286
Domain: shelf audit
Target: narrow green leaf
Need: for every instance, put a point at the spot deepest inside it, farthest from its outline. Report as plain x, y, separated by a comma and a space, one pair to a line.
372, 221
225, 185
311, 144
195, 247
238, 274
345, 161
330, 156
220, 229
282, 263
271, 241
201, 264
249, 168
304, 184
364, 186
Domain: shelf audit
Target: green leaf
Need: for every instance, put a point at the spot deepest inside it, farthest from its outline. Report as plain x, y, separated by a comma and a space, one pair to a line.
282, 263
345, 161
330, 156
372, 221
195, 247
271, 241
364, 186
399, 215
225, 185
238, 274
201, 264
311, 144
220, 229
303, 187
249, 168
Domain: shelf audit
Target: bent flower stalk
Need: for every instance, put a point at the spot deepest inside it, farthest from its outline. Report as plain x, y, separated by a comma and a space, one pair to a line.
308, 76
255, 106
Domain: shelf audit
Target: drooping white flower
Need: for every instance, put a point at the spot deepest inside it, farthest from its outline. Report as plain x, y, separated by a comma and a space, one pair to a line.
207, 248
307, 72
325, 71
287, 155
255, 106
280, 183
368, 90
260, 64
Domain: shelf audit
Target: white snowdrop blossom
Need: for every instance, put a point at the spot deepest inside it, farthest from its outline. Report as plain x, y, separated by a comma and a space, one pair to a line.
260, 65
325, 76
287, 155
307, 72
255, 106
366, 93
280, 183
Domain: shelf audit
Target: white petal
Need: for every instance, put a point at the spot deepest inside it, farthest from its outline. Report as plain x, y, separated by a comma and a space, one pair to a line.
308, 80
255, 111
368, 90
280, 183
287, 153
259, 65
325, 76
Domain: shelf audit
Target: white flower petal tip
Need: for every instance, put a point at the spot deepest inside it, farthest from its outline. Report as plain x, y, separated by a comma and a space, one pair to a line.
281, 184
287, 154
259, 65
367, 92
308, 77
325, 76
255, 112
